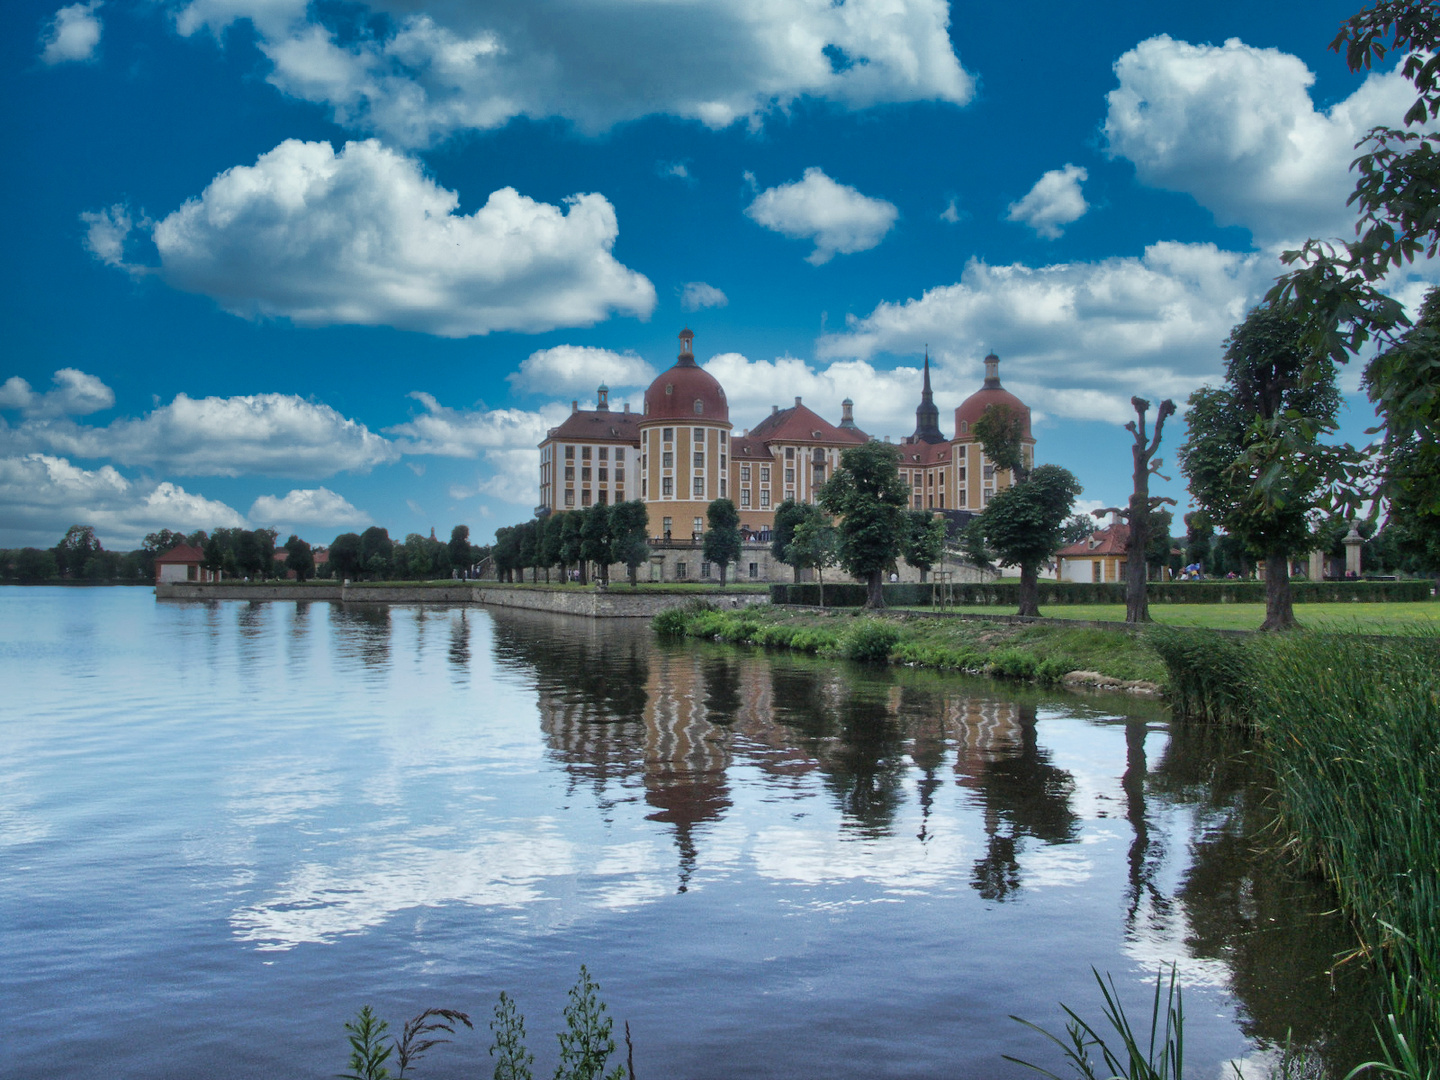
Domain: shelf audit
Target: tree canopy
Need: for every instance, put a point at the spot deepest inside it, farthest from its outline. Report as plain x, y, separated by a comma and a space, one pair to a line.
722, 536
869, 499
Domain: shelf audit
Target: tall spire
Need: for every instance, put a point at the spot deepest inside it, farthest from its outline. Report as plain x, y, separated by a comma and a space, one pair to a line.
927, 416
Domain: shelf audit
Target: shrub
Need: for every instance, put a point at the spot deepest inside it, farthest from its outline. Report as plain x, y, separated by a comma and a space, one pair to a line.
1013, 664
872, 641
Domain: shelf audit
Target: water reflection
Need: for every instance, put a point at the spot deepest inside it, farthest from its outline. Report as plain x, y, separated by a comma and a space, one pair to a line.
689, 767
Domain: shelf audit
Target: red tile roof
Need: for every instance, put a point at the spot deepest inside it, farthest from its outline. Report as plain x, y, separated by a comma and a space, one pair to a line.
597, 426
182, 554
799, 424
1110, 540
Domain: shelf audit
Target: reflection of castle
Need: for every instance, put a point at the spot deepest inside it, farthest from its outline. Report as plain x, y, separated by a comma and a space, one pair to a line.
682, 453
691, 715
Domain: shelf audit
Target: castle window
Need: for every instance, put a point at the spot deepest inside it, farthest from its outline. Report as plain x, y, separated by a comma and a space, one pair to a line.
619, 456
569, 498
601, 498
604, 453
704, 569
667, 487
744, 474
669, 388
722, 438
569, 453
698, 436
667, 460
699, 407
604, 475
697, 526
764, 474
789, 476
585, 453
585, 474
764, 498
666, 525
789, 453
699, 487
745, 498
585, 497
569, 472
667, 435
680, 571
699, 459
723, 494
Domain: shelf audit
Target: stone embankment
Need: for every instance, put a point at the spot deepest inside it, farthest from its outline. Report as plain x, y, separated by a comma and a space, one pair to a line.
618, 602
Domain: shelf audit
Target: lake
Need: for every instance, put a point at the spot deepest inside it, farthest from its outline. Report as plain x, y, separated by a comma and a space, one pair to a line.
226, 826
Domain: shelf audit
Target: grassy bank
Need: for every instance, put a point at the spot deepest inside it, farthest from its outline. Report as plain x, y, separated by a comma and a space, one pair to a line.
1351, 728
1037, 653
1373, 618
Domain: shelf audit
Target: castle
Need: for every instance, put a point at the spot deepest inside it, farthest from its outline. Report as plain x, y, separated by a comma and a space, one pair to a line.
681, 453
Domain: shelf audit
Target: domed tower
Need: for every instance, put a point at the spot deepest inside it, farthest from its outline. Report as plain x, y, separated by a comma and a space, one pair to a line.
976, 479
684, 447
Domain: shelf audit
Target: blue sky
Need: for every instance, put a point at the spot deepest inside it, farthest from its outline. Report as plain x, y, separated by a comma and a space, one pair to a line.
320, 266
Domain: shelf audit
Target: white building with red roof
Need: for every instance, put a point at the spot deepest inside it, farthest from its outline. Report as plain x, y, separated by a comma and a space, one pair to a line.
182, 563
1099, 557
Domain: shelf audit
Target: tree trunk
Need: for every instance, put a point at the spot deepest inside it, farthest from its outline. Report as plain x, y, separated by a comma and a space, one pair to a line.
796, 570
584, 571
874, 595
1279, 609
1137, 600
821, 575
722, 574
924, 575
1029, 591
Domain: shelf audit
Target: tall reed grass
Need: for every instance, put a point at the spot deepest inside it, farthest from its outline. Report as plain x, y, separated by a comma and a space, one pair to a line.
1351, 728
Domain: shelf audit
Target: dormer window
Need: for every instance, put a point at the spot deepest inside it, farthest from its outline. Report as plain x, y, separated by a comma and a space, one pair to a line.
669, 388
699, 406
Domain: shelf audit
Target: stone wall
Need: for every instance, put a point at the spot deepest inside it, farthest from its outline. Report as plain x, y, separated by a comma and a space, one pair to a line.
618, 602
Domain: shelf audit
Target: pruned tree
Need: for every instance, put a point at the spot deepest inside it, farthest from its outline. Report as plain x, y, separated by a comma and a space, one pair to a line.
1023, 524
814, 545
595, 540
1140, 510
923, 544
629, 528
788, 515
867, 496
722, 535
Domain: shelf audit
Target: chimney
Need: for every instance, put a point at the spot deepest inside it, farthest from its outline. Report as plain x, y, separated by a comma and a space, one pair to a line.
797, 401
774, 409
575, 406
627, 406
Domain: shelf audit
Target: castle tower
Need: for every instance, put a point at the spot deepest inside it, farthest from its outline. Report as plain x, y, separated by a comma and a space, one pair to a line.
927, 416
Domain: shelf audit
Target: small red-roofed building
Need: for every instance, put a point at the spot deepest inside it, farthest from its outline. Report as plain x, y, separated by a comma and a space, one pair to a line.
182, 563
1099, 557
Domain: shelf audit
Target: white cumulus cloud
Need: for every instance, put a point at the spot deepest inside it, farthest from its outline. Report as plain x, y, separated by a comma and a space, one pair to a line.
415, 77
1077, 339
698, 294
73, 35
254, 434
1054, 202
75, 394
579, 369
448, 432
1235, 127
363, 236
307, 506
42, 495
837, 217
884, 400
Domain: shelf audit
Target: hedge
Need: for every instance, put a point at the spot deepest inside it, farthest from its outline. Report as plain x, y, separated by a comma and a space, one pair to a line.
1007, 593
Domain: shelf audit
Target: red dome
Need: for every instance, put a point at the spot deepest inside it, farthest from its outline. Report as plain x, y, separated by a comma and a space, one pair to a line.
686, 392
991, 393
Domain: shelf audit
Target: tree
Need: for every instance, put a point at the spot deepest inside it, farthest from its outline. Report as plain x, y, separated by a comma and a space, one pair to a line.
214, 555
1253, 459
378, 550
1023, 524
507, 552
572, 544
1077, 527
247, 554
34, 565
75, 549
1199, 538
1000, 430
1141, 508
1404, 382
815, 545
551, 545
923, 544
460, 546
595, 540
722, 536
788, 515
299, 559
346, 555
867, 496
629, 529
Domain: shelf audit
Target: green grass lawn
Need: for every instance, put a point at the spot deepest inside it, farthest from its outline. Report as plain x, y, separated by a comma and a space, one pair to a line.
1360, 618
